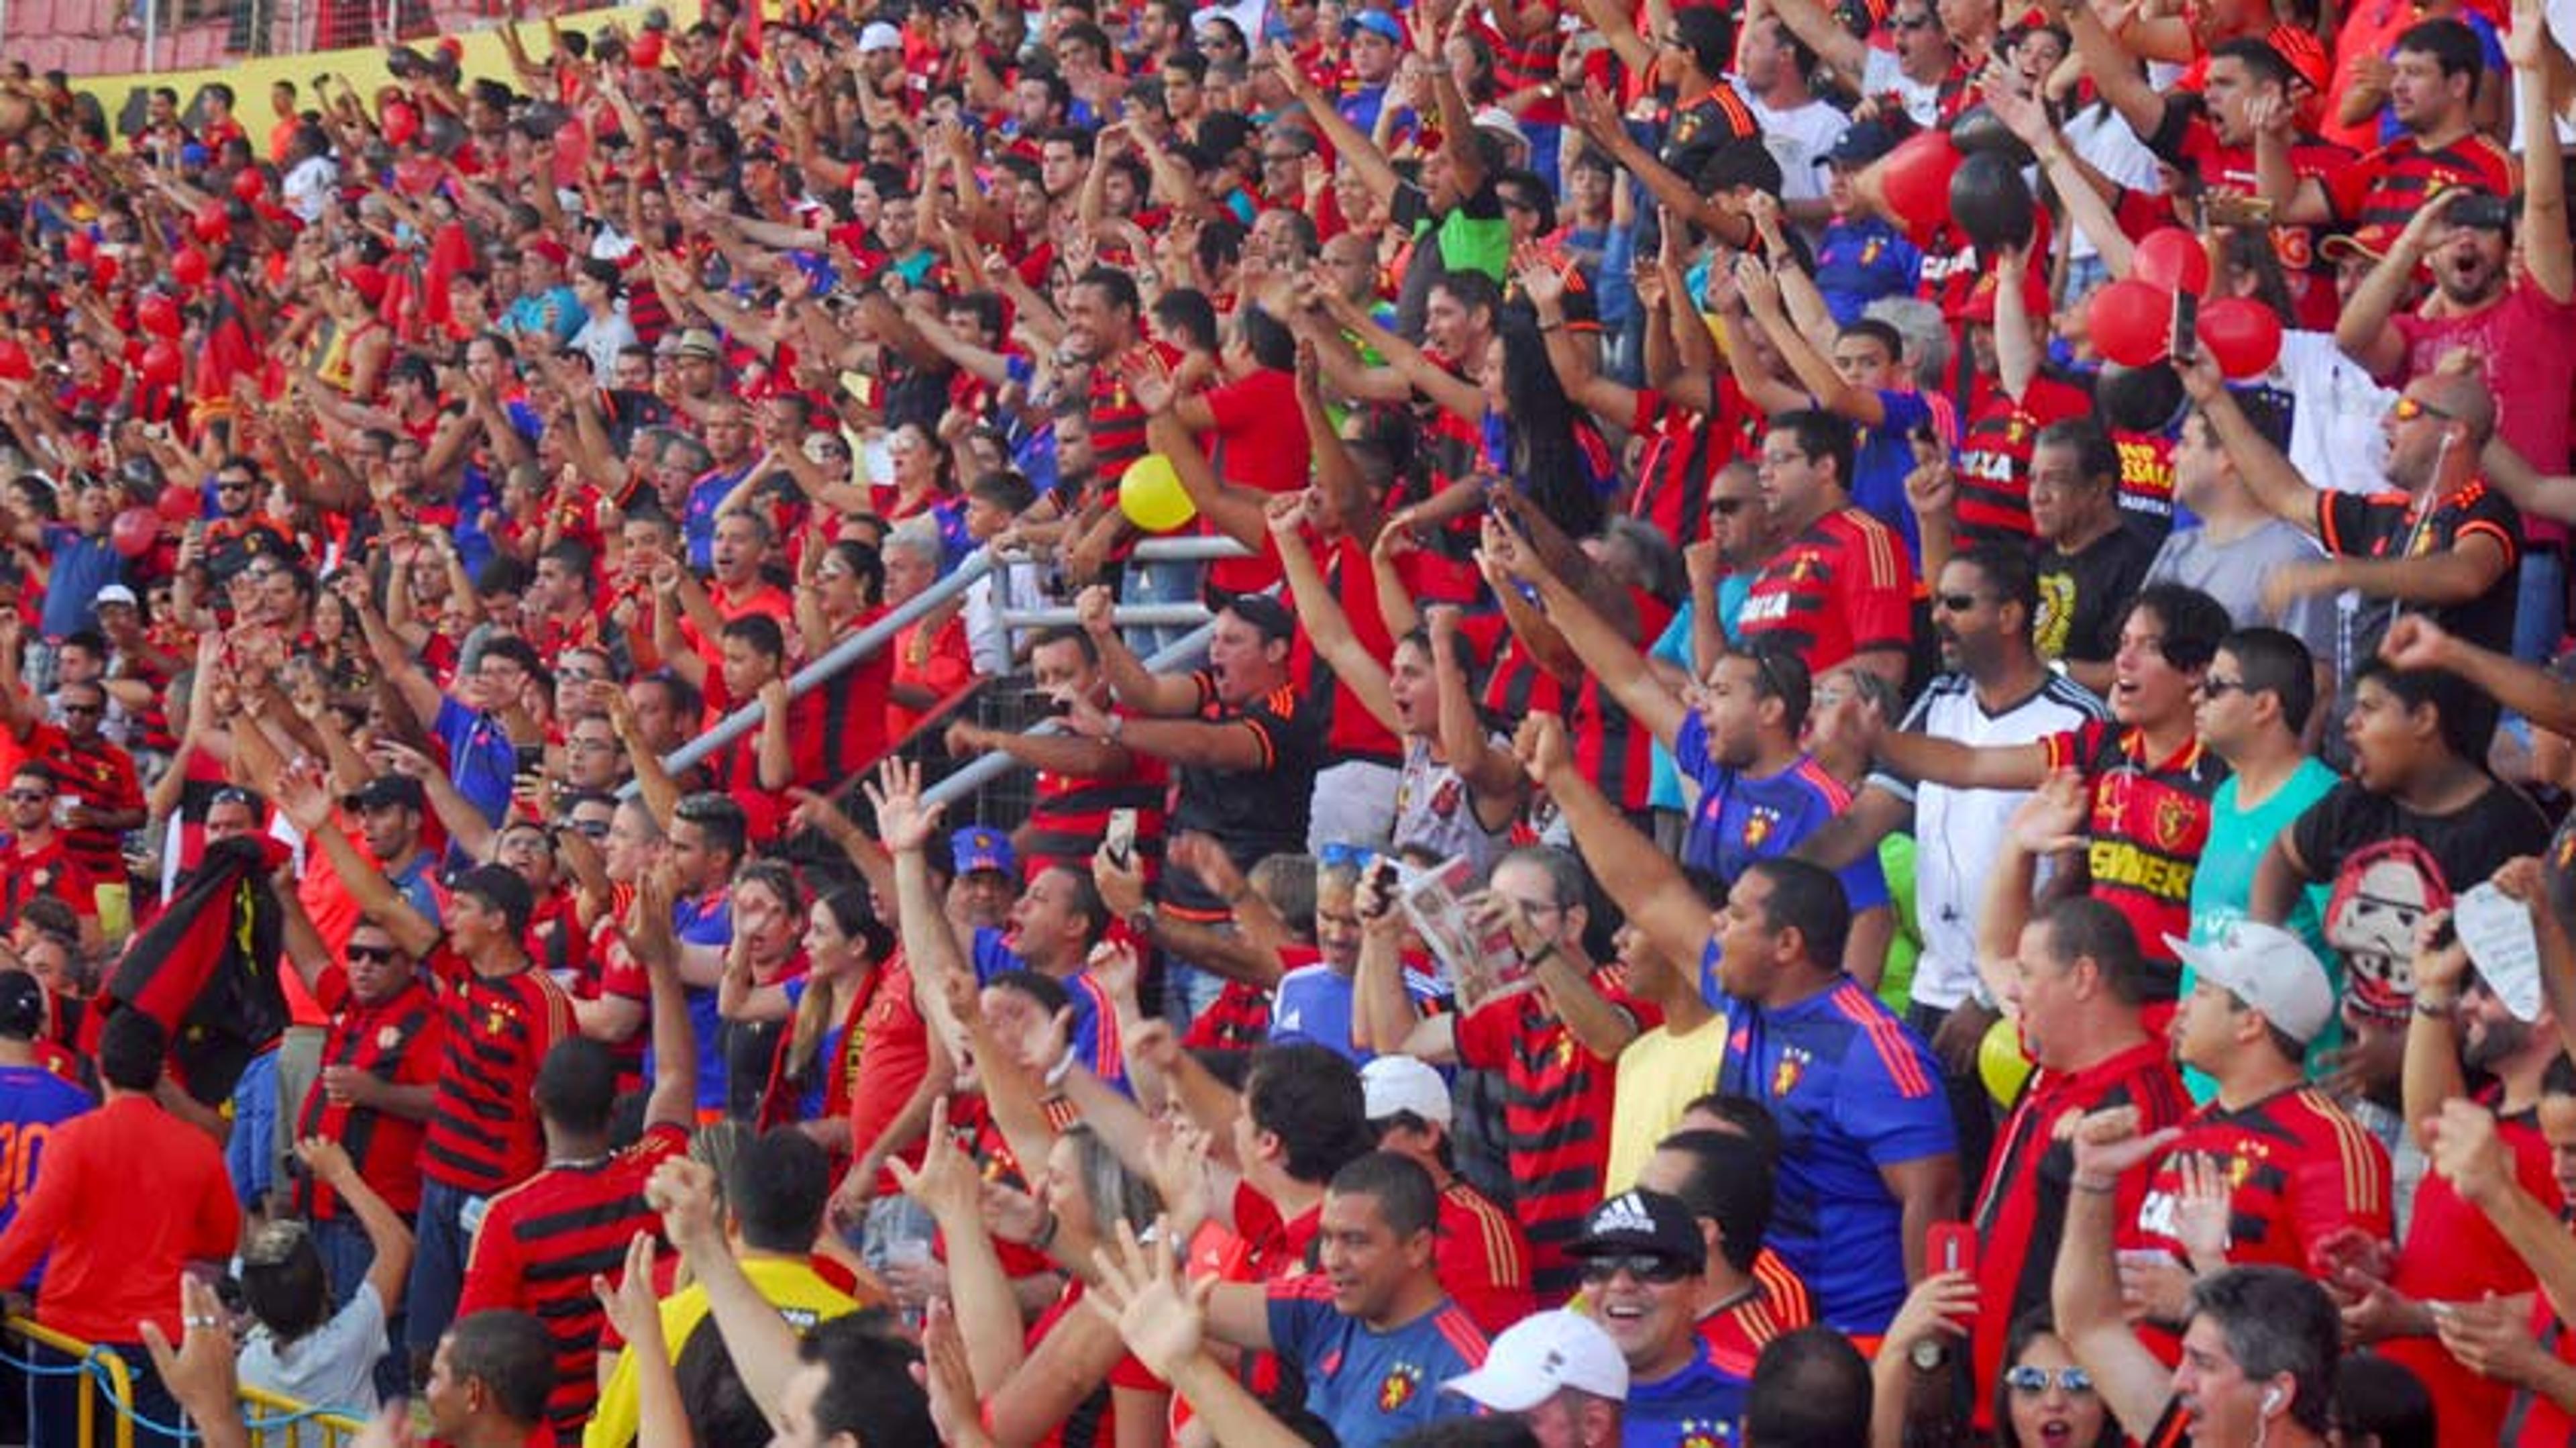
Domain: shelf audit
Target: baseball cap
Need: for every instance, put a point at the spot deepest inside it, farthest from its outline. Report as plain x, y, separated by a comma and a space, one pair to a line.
387, 790
22, 1006
1392, 1084
980, 848
1639, 1220
2370, 243
879, 36
2270, 970
698, 342
1377, 22
115, 593
1540, 1356
1862, 142
1500, 122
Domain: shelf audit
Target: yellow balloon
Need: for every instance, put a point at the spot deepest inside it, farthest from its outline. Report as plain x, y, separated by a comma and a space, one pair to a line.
1151, 496
2000, 1063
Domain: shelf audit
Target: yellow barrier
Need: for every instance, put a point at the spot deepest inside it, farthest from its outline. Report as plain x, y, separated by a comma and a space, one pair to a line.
251, 77
258, 1403
120, 1382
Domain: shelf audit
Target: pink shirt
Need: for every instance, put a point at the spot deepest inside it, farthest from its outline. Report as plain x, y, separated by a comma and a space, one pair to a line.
2521, 343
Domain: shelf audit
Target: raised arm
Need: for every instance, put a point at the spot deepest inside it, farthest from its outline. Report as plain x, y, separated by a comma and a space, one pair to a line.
1642, 880
2085, 1292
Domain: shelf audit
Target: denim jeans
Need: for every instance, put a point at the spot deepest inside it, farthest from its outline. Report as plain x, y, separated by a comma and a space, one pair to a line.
441, 1241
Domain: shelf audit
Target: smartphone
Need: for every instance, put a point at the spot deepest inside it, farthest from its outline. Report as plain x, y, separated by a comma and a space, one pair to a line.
2186, 326
1120, 839
1950, 1247
528, 758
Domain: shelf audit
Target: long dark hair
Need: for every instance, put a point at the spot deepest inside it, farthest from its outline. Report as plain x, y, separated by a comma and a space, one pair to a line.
1547, 460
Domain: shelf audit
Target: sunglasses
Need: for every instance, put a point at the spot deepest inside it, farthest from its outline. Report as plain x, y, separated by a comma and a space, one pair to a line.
1336, 855
1958, 602
370, 954
1728, 507
1649, 1267
2028, 1379
2409, 408
2213, 687
28, 796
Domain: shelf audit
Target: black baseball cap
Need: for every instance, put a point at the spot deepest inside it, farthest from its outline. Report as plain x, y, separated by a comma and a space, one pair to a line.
1642, 1221
22, 1006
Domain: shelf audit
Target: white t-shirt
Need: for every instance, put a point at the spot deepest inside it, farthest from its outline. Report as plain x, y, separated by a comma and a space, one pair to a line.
1883, 74
1958, 831
1798, 139
333, 1366
2335, 437
2104, 140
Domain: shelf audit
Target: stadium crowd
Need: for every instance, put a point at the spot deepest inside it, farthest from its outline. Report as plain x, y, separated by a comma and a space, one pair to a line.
1878, 761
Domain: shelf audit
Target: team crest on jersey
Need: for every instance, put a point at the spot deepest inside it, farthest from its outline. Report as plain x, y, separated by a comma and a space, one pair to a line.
388, 1037
1757, 827
1398, 1387
2172, 824
1869, 251
1700, 1433
1790, 1071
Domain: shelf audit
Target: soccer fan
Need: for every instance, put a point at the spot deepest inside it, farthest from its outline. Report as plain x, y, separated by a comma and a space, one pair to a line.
1643, 1258
2259, 1343
1373, 1333
1994, 690
1875, 1161
1484, 1256
1837, 586
129, 1196
2078, 983
317, 1341
1080, 782
1554, 1045
1747, 1296
2305, 1180
1557, 1372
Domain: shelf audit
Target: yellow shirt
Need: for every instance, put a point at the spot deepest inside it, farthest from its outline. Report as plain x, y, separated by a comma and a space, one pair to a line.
798, 1292
1659, 1074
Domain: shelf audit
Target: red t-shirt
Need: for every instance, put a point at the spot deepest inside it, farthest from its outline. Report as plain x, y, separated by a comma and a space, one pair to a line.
1840, 588
892, 1047
1484, 1259
1260, 443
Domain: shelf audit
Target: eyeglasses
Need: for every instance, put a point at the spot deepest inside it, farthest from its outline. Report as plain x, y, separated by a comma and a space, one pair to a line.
232, 485
1649, 1267
28, 796
2410, 407
370, 954
2027, 1379
1518, 203
80, 710
1770, 459
591, 829
2213, 687
1728, 507
1957, 602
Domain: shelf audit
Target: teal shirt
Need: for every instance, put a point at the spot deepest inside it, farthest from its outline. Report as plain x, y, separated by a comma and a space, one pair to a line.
2223, 887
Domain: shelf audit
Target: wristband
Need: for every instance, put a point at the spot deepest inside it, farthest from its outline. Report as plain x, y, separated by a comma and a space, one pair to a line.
2094, 1188
1541, 956
2436, 1010
1045, 1237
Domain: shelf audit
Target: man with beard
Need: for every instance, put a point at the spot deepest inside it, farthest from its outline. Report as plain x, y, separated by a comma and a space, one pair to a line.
2514, 321
2460, 1029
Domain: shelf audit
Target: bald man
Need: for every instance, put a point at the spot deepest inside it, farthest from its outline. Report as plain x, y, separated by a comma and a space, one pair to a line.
2441, 542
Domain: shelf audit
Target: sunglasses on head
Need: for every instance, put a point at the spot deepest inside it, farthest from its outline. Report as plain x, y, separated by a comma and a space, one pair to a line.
1337, 855
2409, 408
2034, 1380
1651, 1267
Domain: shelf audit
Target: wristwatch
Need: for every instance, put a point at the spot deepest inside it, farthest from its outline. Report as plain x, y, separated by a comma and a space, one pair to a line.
1930, 1353
1141, 924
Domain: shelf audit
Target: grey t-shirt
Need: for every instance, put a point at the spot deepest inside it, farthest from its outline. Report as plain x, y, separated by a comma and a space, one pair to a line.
2233, 573
332, 1366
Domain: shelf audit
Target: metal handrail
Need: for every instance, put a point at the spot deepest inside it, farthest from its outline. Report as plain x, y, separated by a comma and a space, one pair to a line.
993, 764
120, 1379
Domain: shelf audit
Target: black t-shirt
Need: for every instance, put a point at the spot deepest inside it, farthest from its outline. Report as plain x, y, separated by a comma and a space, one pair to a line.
2391, 866
1254, 813
2081, 593
2386, 525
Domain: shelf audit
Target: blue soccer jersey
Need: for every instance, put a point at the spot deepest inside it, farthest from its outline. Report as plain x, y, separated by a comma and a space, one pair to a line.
1373, 1386
1743, 818
1855, 1091
1313, 1003
1702, 1406
33, 1101
1096, 1042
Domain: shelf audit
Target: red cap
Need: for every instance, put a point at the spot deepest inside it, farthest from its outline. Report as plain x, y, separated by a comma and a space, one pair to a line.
369, 280
552, 250
2300, 51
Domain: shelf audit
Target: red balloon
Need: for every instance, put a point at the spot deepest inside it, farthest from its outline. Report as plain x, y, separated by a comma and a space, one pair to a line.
248, 184
2173, 259
102, 271
188, 267
1915, 180
15, 364
134, 532
178, 504
81, 248
2130, 321
158, 314
160, 364
2242, 334
212, 223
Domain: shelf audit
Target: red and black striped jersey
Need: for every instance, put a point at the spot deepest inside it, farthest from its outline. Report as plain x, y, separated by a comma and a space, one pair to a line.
1556, 1117
395, 1040
1841, 588
543, 1240
2303, 1170
1994, 457
1071, 814
2388, 186
496, 1030
2150, 819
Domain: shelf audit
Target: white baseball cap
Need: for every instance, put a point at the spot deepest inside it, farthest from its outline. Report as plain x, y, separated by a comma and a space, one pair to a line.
1390, 1084
1540, 1356
878, 35
2270, 970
